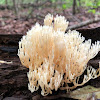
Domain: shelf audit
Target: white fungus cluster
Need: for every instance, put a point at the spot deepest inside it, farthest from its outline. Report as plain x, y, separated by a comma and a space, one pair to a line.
54, 58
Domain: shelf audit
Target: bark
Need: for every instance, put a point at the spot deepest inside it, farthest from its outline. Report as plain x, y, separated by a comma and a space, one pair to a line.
74, 7
13, 77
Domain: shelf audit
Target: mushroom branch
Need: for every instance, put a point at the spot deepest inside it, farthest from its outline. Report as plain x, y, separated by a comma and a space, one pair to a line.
56, 59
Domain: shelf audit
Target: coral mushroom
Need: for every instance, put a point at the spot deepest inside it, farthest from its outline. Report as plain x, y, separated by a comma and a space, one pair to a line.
54, 58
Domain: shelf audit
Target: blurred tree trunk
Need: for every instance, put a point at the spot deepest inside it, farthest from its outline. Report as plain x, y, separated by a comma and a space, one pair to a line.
62, 2
6, 2
79, 3
22, 1
37, 1
78, 7
74, 7
15, 5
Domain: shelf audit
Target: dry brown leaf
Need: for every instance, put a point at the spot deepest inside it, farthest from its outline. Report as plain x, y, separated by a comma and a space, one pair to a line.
86, 93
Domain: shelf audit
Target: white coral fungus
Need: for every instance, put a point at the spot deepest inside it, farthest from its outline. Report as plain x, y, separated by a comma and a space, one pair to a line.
54, 58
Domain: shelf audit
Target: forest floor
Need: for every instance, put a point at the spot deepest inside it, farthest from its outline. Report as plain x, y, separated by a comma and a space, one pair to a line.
10, 24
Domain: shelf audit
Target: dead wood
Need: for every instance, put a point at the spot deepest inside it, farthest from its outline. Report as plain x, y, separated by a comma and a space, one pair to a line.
13, 77
91, 21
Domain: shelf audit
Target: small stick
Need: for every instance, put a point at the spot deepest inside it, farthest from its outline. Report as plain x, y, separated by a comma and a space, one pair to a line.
1, 61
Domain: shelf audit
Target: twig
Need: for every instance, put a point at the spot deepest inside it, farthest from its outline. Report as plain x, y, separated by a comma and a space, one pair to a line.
1, 61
